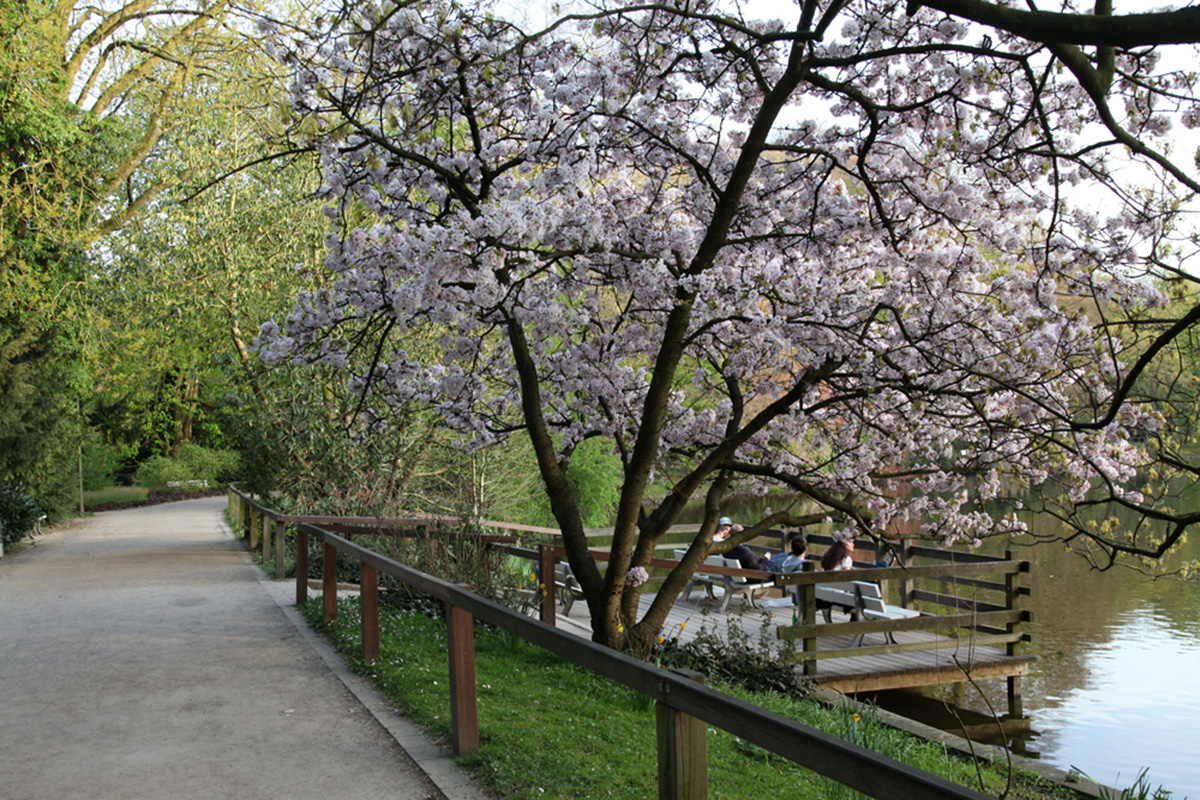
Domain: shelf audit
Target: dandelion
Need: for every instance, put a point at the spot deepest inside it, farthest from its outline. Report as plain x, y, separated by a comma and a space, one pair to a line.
662, 639
683, 625
857, 719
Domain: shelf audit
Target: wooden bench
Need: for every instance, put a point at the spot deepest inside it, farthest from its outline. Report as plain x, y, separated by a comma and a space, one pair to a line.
729, 584
862, 600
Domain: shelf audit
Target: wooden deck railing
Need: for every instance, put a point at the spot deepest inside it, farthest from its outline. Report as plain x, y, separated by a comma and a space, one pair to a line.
684, 704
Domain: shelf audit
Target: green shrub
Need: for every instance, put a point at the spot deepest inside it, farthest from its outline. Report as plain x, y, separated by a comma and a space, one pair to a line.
193, 465
157, 473
19, 512
214, 466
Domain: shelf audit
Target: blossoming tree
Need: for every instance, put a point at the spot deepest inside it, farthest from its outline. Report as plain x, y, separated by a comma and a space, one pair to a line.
842, 255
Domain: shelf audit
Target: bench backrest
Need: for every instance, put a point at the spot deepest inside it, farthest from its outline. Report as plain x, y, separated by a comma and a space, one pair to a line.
852, 593
733, 563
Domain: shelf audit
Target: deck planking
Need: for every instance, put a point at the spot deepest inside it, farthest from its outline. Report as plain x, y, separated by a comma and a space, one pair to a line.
957, 661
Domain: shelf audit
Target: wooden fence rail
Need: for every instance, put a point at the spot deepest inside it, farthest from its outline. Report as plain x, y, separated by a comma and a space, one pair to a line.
684, 704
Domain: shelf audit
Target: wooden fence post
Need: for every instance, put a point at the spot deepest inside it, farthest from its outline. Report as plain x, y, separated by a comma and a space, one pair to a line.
254, 527
266, 539
280, 534
369, 602
464, 711
1012, 599
808, 613
301, 565
546, 580
682, 751
329, 583
906, 585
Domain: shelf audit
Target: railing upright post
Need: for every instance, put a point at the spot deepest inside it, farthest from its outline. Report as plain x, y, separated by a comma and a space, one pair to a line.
905, 583
808, 612
1012, 599
301, 565
464, 711
266, 539
369, 600
280, 534
329, 583
682, 751
253, 527
546, 583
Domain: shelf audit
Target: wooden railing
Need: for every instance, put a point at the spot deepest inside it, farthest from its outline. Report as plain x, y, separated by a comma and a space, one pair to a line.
684, 704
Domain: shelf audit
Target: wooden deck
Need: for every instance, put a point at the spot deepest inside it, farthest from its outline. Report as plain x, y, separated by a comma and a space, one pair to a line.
866, 673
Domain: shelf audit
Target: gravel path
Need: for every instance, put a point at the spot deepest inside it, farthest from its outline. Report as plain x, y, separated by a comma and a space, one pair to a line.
142, 655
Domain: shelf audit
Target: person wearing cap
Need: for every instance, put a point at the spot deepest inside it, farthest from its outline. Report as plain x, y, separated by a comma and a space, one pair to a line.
746, 557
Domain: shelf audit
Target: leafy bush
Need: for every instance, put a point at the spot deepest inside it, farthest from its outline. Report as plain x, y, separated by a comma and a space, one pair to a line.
736, 658
19, 512
214, 466
158, 472
193, 465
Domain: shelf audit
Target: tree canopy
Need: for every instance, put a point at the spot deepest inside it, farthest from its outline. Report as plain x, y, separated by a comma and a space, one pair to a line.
861, 252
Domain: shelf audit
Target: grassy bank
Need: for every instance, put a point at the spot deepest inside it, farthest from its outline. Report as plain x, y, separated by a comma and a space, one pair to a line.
117, 497
551, 729
114, 495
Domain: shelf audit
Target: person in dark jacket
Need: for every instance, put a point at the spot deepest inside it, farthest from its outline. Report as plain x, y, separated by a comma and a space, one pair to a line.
745, 556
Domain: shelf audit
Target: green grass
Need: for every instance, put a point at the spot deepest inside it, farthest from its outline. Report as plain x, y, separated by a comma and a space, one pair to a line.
114, 494
551, 729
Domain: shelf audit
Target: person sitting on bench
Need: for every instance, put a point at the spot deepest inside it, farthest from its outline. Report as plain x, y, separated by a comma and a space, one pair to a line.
745, 556
793, 561
840, 556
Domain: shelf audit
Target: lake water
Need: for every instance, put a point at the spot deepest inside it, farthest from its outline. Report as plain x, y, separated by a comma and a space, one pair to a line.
1114, 690
1116, 685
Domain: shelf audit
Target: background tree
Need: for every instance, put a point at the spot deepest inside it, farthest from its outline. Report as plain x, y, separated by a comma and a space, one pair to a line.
87, 95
